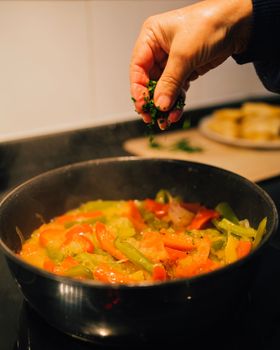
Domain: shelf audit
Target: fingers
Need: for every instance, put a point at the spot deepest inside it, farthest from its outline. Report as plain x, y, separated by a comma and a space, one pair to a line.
139, 94
163, 123
142, 61
175, 113
150, 62
173, 117
138, 86
172, 80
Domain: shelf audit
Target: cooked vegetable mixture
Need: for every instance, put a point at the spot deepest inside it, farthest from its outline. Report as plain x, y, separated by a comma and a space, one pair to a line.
134, 241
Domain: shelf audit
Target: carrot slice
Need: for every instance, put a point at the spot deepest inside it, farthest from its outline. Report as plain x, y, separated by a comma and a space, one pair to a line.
78, 216
175, 254
106, 240
208, 266
195, 263
135, 216
243, 248
202, 218
49, 265
194, 267
29, 248
152, 246
50, 235
178, 241
159, 273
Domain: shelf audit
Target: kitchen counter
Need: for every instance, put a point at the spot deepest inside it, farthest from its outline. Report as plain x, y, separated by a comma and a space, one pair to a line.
23, 159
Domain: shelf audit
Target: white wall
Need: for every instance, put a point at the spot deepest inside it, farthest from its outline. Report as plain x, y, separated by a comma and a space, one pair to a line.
64, 64
44, 66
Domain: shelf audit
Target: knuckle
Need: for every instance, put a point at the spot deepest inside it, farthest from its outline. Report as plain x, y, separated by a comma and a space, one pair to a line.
149, 22
170, 82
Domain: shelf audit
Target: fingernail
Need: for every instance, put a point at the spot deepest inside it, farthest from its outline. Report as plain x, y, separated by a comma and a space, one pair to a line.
163, 102
146, 118
174, 116
162, 123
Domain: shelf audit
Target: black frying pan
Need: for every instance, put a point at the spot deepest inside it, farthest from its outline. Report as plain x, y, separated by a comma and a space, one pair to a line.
115, 314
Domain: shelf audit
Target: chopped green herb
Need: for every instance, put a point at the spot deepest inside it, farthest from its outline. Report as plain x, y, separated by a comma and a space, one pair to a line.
181, 145
184, 145
153, 143
180, 103
186, 124
154, 111
158, 116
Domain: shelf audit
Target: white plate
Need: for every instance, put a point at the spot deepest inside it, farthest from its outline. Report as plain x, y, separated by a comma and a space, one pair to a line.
203, 127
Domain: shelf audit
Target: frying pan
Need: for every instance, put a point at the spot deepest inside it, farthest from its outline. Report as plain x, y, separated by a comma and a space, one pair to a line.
118, 314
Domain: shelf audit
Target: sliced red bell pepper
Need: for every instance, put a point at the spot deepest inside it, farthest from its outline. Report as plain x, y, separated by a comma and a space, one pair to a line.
178, 241
77, 234
158, 209
80, 229
202, 218
135, 216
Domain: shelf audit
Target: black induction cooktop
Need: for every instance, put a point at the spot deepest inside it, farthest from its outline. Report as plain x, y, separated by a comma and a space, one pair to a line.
254, 325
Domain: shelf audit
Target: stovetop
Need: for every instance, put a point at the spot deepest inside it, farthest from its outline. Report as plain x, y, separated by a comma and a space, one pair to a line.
256, 324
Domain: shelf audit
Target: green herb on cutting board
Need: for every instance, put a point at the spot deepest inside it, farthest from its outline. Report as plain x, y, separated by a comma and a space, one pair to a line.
184, 145
180, 145
153, 143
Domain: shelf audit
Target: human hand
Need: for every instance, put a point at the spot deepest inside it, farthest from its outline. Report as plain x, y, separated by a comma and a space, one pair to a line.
176, 47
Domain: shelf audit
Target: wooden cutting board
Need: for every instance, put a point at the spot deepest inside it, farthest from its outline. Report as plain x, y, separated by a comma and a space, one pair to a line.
254, 164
